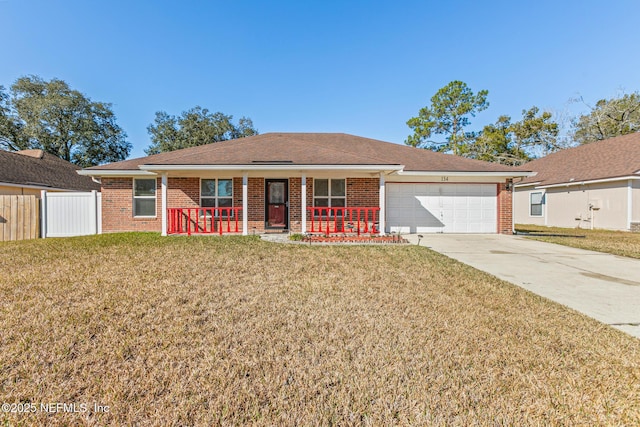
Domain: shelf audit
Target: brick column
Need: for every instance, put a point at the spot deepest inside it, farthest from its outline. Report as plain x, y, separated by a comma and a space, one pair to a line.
505, 208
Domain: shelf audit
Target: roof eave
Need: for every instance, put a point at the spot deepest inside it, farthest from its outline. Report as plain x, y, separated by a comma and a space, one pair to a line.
584, 182
114, 172
37, 186
513, 174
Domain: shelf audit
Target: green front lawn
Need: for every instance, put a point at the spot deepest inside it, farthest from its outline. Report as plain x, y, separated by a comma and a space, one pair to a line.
621, 243
236, 331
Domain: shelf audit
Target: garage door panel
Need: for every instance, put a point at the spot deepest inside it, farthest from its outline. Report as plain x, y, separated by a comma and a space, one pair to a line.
441, 208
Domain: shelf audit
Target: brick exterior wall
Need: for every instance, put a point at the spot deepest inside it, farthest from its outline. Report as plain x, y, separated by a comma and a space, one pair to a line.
117, 202
361, 192
255, 204
505, 209
182, 192
117, 207
295, 204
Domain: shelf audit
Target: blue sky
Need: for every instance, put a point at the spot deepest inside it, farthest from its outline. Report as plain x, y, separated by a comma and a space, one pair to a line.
360, 67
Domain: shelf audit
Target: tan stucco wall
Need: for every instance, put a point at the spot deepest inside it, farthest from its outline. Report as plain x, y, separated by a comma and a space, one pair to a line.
635, 216
13, 191
569, 206
521, 207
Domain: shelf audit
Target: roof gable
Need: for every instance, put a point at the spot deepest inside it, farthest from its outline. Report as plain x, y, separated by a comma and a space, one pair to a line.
40, 169
311, 149
606, 159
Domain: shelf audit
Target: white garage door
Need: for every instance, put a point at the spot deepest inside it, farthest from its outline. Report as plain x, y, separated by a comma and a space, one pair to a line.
441, 208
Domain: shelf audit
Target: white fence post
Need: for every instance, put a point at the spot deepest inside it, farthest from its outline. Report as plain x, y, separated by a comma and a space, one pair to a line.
99, 218
93, 211
43, 213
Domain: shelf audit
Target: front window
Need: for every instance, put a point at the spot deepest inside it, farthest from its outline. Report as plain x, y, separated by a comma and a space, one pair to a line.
329, 193
536, 202
144, 197
216, 193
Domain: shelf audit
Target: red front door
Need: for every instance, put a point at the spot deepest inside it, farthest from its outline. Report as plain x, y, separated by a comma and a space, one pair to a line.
276, 203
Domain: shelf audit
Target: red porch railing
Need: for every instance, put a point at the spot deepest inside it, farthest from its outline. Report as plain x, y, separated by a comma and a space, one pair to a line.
203, 220
344, 220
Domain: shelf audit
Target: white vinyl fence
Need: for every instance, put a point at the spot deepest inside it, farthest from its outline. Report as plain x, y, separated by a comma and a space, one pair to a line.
71, 214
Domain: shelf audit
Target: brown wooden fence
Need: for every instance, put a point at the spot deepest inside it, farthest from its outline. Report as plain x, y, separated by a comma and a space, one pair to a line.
19, 218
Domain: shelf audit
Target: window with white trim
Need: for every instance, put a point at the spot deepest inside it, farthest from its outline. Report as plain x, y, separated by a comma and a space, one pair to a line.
329, 193
144, 197
536, 200
216, 193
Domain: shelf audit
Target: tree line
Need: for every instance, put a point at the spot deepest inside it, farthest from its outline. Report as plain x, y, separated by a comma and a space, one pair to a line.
50, 115
509, 142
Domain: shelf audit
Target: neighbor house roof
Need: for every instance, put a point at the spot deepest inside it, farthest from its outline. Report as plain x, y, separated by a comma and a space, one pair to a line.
36, 168
310, 149
611, 158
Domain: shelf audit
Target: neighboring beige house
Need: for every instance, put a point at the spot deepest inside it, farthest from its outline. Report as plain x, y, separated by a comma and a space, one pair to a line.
596, 185
28, 172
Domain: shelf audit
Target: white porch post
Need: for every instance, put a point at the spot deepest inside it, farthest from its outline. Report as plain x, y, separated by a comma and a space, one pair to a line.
164, 204
383, 206
245, 204
303, 204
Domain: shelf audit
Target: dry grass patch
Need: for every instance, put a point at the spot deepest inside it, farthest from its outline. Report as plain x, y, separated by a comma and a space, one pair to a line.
621, 243
235, 331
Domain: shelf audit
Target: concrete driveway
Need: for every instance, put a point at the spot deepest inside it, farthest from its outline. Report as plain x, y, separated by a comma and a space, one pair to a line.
605, 287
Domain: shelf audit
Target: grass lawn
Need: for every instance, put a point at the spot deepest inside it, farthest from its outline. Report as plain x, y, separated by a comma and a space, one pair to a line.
621, 243
236, 331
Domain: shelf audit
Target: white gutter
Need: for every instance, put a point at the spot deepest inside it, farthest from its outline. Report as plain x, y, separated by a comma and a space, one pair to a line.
269, 167
593, 181
528, 184
459, 173
115, 173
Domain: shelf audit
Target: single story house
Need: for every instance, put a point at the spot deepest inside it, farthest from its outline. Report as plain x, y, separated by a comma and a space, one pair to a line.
596, 185
27, 172
305, 183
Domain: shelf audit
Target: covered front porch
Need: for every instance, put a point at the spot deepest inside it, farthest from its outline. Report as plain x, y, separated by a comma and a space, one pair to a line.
324, 221
250, 204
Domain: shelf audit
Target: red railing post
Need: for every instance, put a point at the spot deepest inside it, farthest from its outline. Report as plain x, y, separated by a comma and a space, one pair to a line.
188, 222
235, 212
328, 221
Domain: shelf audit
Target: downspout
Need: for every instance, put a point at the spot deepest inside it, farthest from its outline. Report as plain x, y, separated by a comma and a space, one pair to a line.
511, 188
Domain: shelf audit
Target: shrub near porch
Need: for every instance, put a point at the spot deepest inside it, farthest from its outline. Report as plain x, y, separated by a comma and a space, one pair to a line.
232, 330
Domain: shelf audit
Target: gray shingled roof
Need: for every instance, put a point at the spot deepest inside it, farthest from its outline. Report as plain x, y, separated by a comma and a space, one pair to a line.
311, 149
610, 158
41, 169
